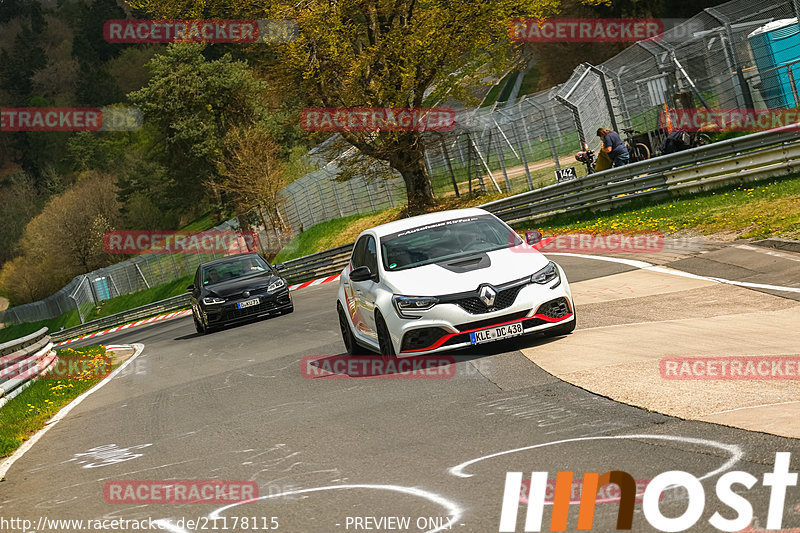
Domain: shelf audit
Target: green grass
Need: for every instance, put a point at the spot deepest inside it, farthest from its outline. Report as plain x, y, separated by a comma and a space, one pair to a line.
201, 224
754, 210
28, 412
140, 298
105, 308
322, 236
67, 320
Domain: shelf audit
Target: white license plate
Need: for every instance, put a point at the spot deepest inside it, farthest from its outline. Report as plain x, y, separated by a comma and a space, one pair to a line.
497, 332
248, 303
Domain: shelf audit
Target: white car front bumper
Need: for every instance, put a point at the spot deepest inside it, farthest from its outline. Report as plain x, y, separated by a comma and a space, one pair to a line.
446, 326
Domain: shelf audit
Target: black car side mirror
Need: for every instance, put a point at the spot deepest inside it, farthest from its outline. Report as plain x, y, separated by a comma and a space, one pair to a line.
362, 273
279, 266
190, 288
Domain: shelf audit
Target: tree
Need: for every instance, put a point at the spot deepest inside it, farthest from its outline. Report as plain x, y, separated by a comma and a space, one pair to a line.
383, 53
193, 103
253, 172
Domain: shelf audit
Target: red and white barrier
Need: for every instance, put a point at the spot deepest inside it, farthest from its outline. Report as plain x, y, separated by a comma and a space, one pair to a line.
185, 312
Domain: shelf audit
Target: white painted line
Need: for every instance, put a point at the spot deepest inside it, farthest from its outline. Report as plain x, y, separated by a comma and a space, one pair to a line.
750, 407
453, 510
735, 451
767, 251
666, 270
28, 444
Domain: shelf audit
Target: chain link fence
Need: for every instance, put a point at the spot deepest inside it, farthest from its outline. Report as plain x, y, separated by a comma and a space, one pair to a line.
740, 54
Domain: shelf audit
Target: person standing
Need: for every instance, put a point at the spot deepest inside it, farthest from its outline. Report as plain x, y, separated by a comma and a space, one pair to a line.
614, 147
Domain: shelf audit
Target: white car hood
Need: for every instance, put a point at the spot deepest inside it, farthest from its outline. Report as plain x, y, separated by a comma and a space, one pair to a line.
508, 264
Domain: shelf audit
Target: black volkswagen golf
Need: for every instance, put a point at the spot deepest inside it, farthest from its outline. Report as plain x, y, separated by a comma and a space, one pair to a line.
235, 289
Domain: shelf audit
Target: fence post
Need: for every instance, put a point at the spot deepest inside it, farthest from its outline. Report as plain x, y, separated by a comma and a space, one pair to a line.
449, 166
744, 89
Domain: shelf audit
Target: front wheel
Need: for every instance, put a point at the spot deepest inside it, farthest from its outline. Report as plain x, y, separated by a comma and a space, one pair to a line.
641, 152
350, 344
198, 325
384, 338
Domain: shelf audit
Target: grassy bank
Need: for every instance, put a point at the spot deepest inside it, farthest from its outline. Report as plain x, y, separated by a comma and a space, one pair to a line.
105, 308
341, 231
27, 413
752, 211
767, 209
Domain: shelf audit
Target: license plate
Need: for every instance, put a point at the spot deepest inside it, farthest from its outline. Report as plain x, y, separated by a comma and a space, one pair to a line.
496, 333
248, 303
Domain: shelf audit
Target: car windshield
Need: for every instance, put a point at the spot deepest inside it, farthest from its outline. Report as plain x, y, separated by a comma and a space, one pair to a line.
442, 241
234, 268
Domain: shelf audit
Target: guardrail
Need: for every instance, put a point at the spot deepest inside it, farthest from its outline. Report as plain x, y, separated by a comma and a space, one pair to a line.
321, 264
318, 265
23, 359
146, 311
751, 158
754, 157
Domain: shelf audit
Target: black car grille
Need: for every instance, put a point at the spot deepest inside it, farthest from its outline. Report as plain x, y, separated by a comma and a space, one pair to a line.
264, 306
504, 299
557, 308
417, 339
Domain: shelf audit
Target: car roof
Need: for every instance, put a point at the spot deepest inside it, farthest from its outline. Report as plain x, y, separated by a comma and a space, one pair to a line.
429, 218
228, 258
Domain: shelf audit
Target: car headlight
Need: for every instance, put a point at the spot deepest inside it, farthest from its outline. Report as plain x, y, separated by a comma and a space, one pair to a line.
274, 286
412, 303
546, 275
212, 300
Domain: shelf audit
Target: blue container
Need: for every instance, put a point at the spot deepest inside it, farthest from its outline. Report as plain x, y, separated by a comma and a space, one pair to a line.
101, 289
773, 45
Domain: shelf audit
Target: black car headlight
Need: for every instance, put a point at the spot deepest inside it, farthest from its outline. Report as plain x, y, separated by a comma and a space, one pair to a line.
213, 300
275, 285
546, 275
404, 304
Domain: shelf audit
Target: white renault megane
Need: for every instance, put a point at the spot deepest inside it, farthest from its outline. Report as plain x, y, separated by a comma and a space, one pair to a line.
448, 280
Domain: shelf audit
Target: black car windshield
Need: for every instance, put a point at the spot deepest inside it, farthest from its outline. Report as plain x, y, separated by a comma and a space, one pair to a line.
442, 241
234, 268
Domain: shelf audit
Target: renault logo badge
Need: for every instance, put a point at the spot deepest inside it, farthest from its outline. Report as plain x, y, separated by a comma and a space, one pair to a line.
246, 294
487, 295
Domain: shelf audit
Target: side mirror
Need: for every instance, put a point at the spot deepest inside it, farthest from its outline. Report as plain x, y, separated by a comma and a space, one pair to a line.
533, 237
362, 273
190, 288
279, 266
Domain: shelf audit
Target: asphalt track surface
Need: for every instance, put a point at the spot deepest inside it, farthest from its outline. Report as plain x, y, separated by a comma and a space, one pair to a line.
234, 405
